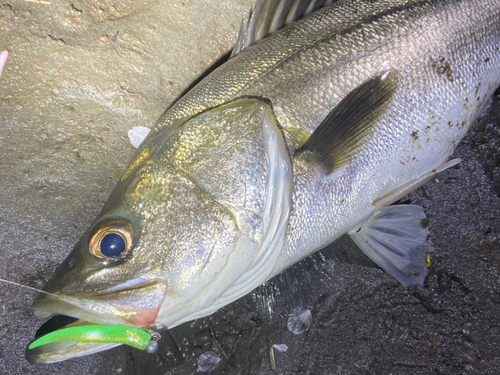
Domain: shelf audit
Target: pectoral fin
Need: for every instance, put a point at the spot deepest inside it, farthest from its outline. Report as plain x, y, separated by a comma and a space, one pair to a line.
396, 240
340, 137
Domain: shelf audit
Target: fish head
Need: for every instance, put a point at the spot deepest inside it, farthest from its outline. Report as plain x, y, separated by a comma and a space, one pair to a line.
186, 221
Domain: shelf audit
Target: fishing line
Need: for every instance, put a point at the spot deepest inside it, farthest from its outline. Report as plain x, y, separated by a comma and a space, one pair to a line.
31, 288
108, 308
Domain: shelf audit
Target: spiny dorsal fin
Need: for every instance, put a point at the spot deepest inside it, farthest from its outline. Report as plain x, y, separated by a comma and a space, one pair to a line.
271, 15
338, 139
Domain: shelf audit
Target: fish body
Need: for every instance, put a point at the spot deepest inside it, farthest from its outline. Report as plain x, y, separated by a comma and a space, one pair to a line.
302, 136
446, 74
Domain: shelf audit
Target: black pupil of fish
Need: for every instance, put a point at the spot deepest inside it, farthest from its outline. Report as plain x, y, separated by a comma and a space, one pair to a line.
112, 245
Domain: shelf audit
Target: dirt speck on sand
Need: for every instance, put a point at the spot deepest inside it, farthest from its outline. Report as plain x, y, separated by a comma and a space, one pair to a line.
80, 74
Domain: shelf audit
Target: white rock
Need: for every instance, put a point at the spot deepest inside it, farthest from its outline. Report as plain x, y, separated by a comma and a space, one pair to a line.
208, 361
280, 347
137, 135
3, 59
299, 321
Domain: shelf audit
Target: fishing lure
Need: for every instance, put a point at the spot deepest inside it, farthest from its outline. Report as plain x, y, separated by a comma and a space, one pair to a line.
108, 334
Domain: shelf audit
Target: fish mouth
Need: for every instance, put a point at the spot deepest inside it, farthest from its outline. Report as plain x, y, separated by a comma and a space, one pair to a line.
136, 306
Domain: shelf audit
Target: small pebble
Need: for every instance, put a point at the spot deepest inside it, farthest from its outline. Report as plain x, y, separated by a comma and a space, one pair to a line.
299, 321
3, 59
137, 135
208, 361
280, 347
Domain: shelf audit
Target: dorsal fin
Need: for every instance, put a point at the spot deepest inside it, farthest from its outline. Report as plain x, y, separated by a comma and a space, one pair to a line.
271, 15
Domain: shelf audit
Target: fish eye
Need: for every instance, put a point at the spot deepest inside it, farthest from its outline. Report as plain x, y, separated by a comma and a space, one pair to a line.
111, 240
112, 245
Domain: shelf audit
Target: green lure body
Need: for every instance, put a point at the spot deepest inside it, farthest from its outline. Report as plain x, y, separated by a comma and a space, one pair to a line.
109, 334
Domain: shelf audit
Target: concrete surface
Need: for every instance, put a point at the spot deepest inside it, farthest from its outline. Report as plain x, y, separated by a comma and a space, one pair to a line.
81, 73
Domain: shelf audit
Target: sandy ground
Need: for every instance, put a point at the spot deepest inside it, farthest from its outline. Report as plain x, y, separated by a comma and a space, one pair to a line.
82, 73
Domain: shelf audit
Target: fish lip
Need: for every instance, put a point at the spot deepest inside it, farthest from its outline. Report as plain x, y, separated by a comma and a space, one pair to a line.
111, 306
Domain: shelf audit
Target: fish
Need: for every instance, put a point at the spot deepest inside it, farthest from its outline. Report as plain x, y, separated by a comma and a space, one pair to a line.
325, 114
